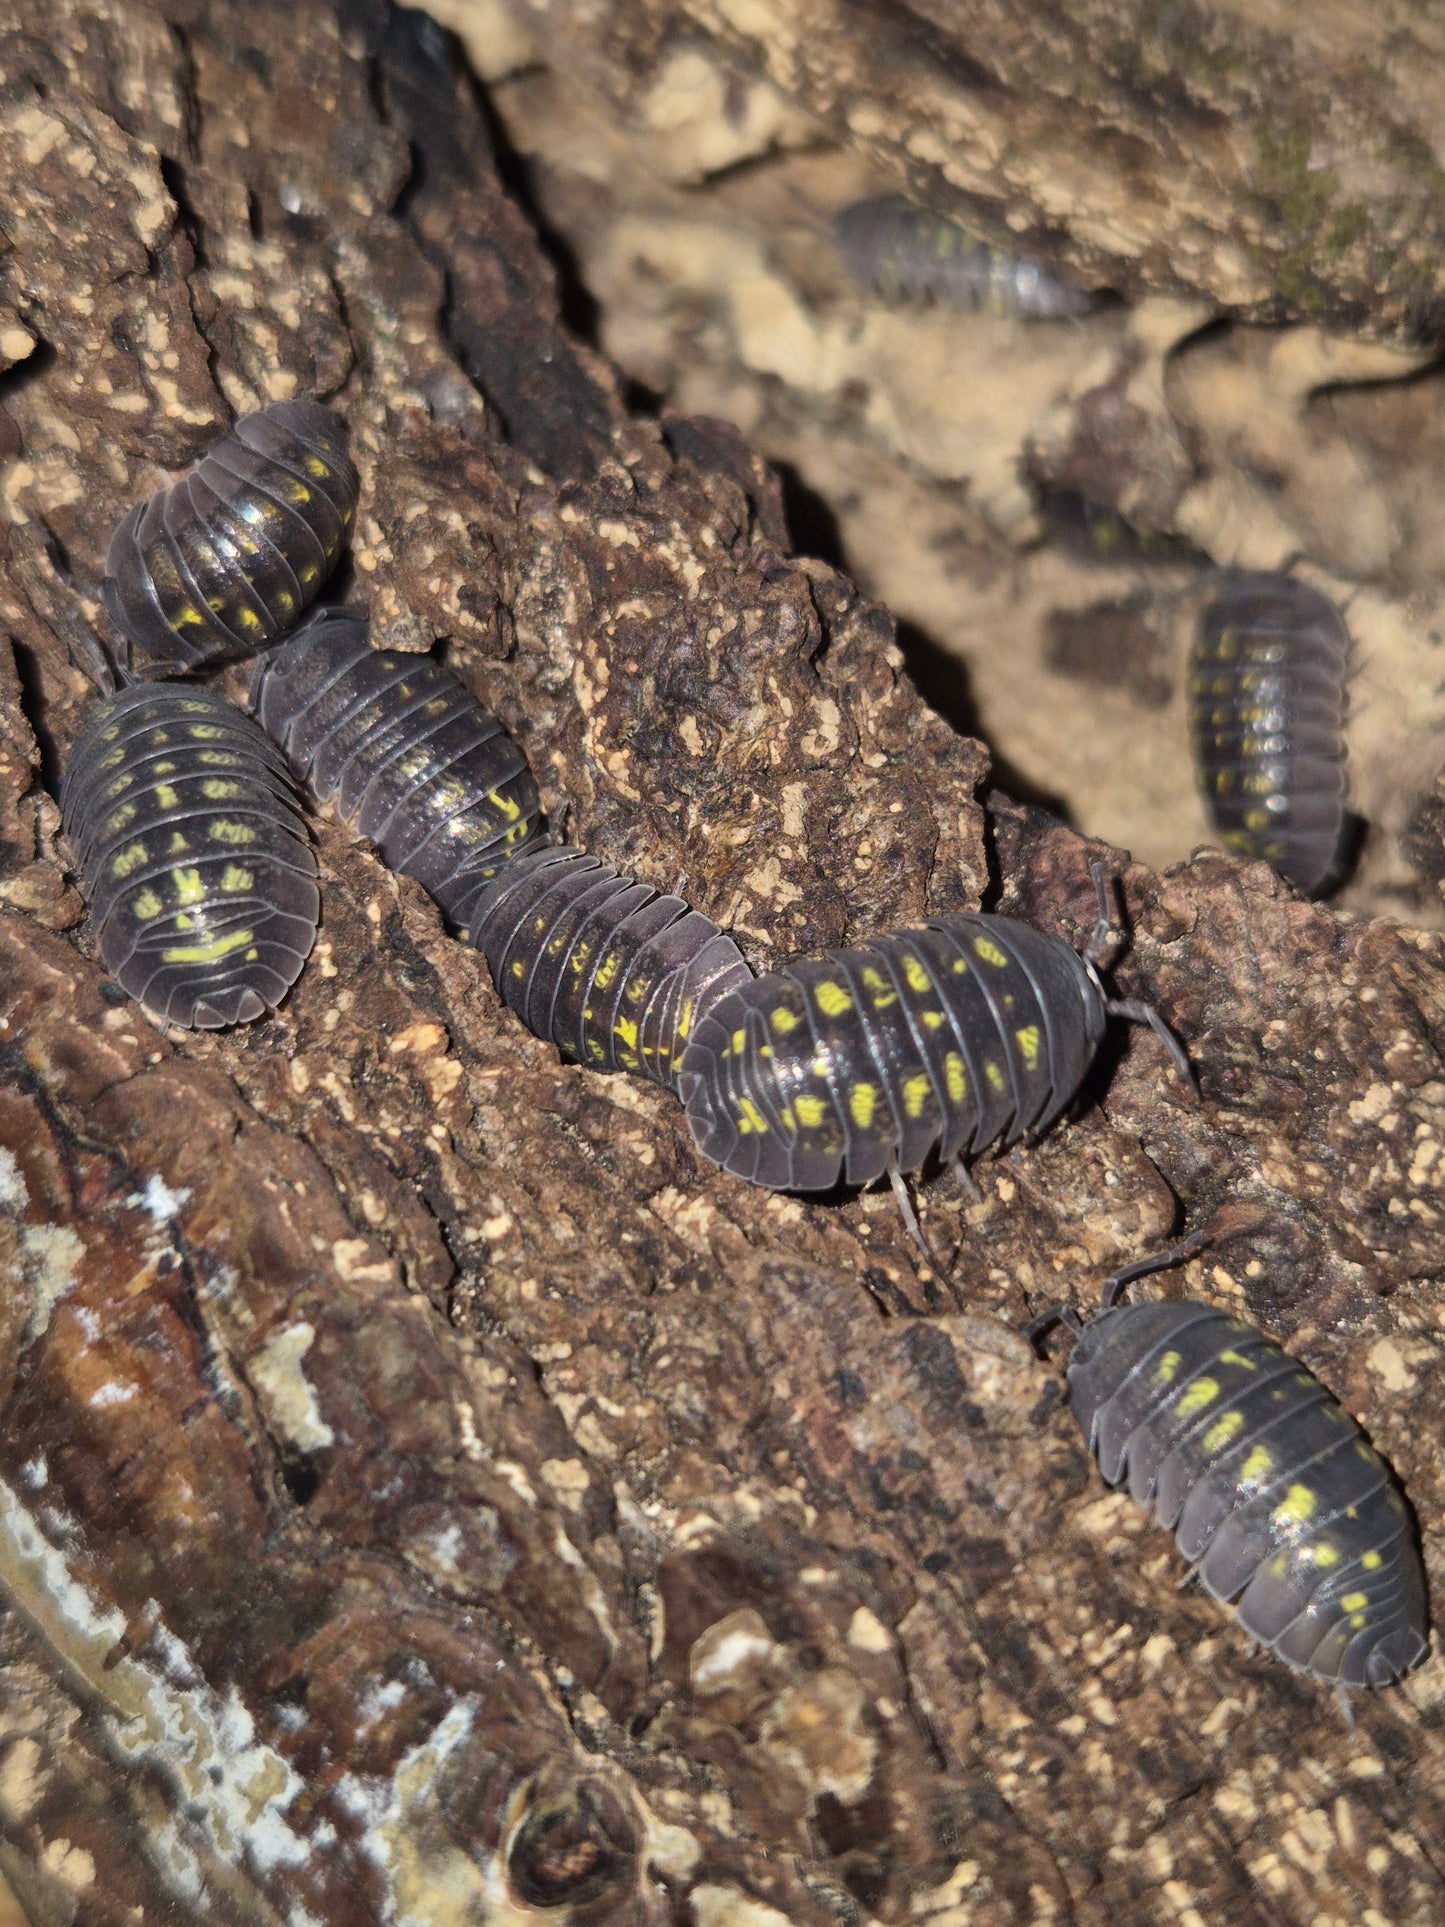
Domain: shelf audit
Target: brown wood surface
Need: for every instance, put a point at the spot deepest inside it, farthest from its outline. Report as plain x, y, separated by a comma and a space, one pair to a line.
427, 1494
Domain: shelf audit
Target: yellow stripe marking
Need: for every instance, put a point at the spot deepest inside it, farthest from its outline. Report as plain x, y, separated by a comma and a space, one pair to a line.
208, 952
1238, 1358
1167, 1369
811, 1111
223, 830
831, 999
986, 948
862, 1101
750, 1118
994, 1075
918, 978
955, 1077
1028, 1043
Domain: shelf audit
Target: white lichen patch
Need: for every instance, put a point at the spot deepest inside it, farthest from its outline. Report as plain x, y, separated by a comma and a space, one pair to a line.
730, 1654
49, 1256
286, 1395
158, 1199
431, 1880
234, 1789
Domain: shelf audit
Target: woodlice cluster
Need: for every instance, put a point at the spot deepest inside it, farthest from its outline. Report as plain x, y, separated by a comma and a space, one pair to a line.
930, 1042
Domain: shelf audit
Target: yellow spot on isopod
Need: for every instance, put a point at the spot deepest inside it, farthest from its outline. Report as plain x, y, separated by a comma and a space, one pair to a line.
1167, 1369
146, 905
994, 1075
1028, 1043
1237, 1358
188, 884
831, 999
1225, 1428
626, 1029
506, 806
955, 1077
739, 1038
1370, 1561
917, 976
750, 1118
932, 1018
783, 1020
1197, 1397
223, 830
131, 858
166, 796
236, 879
1354, 1602
916, 1093
1325, 1554
216, 789
1296, 1508
519, 969
862, 1100
811, 1111
986, 948
1259, 1462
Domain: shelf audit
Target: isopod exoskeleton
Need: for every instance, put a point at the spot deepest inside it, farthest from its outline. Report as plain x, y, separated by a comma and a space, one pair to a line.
193, 855
227, 559
907, 253
1267, 717
409, 758
608, 969
1273, 1492
945, 1038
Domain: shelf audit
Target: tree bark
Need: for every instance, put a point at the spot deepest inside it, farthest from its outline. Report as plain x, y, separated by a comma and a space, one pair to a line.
427, 1493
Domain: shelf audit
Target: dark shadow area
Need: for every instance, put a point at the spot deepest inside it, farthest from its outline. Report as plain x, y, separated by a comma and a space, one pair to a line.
32, 707
14, 379
812, 524
942, 681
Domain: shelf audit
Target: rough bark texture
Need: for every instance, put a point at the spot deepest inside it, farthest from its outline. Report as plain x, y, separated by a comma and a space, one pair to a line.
427, 1494
972, 472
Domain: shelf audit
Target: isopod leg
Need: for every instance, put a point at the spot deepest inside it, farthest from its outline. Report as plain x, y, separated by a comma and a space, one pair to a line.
965, 1180
910, 1219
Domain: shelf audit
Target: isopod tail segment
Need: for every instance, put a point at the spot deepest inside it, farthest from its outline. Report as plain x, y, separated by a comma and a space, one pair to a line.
1277, 1500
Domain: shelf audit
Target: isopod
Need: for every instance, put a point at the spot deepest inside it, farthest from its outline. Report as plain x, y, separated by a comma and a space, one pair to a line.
193, 854
1267, 717
962, 1032
228, 559
608, 969
907, 253
409, 758
1274, 1494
